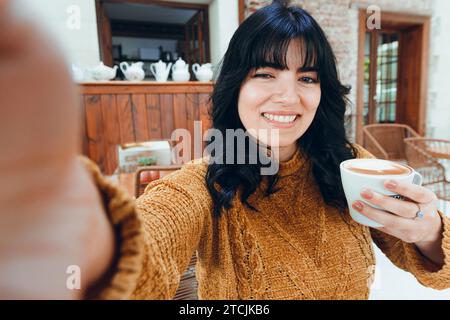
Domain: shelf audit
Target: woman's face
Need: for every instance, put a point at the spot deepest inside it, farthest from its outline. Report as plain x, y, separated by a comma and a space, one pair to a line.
286, 100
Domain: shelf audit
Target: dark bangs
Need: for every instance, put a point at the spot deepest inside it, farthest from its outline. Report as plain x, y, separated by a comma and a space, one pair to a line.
270, 43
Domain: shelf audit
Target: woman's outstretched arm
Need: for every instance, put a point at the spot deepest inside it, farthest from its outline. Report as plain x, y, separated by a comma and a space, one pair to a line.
427, 260
156, 235
65, 231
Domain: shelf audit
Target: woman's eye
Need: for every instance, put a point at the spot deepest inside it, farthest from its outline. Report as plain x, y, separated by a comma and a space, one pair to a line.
263, 75
308, 80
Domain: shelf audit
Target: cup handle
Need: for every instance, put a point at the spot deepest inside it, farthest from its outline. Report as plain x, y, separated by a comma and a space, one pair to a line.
195, 67
418, 179
153, 69
123, 66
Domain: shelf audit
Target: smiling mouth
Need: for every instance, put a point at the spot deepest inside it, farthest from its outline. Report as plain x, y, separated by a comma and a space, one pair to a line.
282, 119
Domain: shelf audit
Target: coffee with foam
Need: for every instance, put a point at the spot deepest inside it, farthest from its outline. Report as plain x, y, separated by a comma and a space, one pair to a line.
378, 168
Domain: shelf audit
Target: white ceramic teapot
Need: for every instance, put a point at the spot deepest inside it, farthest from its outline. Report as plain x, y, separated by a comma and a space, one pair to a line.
77, 73
160, 70
135, 72
180, 71
102, 72
203, 72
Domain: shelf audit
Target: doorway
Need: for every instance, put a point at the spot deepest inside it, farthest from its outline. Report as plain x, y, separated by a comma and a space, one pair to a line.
152, 30
392, 71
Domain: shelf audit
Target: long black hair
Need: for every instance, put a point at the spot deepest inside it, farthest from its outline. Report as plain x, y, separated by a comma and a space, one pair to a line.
265, 37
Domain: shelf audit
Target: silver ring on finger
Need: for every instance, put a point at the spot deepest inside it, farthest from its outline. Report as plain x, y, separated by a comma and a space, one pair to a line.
420, 214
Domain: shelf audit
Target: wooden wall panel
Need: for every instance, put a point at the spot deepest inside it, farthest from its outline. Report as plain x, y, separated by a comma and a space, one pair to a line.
154, 116
192, 115
166, 101
94, 130
111, 131
125, 115
204, 108
118, 114
139, 110
179, 111
84, 138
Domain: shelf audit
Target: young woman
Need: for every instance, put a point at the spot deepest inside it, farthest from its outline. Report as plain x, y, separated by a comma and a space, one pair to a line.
282, 236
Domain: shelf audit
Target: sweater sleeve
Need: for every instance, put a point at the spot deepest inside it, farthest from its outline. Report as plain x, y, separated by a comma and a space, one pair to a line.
408, 257
156, 235
174, 211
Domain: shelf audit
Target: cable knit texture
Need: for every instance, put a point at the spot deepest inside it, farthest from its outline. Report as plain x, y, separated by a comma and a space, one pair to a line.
295, 247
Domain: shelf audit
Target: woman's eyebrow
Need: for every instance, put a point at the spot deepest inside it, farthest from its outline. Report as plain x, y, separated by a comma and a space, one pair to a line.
271, 65
308, 69
280, 67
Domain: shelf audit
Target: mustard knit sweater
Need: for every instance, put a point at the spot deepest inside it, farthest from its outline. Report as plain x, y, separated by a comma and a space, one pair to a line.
295, 247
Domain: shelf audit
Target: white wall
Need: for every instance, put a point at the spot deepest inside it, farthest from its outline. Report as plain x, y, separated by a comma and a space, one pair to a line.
80, 45
223, 22
438, 113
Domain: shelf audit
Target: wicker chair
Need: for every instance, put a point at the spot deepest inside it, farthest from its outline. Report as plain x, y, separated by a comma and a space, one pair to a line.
385, 141
432, 171
160, 171
439, 149
187, 289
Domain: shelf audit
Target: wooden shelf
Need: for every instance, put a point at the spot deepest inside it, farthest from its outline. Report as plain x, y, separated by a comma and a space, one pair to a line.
146, 83
145, 87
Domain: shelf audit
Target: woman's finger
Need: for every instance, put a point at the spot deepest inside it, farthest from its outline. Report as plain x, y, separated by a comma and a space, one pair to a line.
412, 191
388, 220
405, 209
15, 35
3, 4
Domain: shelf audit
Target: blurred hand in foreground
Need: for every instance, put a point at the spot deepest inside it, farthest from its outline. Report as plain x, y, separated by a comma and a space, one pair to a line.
50, 210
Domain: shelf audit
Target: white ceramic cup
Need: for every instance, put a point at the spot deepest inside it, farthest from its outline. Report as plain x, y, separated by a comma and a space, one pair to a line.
353, 183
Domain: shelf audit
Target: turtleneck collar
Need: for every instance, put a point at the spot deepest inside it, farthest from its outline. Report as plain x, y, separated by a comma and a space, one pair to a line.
292, 165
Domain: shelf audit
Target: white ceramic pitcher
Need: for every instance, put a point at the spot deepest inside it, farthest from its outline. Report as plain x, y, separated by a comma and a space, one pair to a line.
203, 72
160, 70
135, 72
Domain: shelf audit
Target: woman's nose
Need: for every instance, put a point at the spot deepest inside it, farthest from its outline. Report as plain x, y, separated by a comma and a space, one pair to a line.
286, 93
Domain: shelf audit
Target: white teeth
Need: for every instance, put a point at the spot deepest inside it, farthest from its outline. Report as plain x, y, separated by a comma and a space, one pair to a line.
284, 119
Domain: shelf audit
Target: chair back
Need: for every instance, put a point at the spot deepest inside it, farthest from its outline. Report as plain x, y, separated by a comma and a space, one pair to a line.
439, 149
146, 174
432, 171
386, 141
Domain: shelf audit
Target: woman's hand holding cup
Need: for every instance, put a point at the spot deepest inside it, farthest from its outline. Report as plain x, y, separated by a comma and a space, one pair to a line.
413, 220
388, 196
